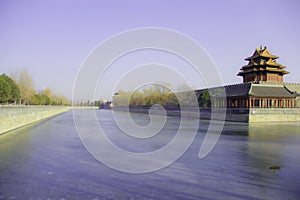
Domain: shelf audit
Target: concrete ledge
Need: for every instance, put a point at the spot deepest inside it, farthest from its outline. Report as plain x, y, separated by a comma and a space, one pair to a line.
15, 117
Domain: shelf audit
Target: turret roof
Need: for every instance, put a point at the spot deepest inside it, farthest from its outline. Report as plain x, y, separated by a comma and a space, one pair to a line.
260, 61
261, 52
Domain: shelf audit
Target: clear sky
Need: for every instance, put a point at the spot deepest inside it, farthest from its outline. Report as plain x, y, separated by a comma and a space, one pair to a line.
52, 38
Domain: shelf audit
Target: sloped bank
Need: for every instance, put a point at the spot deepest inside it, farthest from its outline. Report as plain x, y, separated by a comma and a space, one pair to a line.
13, 117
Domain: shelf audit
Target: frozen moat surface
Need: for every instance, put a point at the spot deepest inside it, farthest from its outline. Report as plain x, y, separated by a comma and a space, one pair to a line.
48, 161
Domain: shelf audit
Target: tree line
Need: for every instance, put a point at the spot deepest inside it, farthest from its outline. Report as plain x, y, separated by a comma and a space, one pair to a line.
163, 96
18, 88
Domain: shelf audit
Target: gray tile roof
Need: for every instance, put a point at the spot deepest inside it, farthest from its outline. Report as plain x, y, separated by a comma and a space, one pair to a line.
256, 89
251, 89
293, 87
237, 90
230, 90
269, 91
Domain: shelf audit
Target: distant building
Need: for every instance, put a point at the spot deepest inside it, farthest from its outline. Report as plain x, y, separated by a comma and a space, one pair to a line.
106, 105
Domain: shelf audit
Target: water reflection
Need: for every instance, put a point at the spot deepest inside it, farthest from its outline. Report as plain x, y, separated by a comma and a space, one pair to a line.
258, 130
274, 130
273, 148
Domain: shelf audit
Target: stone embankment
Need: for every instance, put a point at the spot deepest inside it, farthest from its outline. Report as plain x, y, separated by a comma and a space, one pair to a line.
245, 115
13, 117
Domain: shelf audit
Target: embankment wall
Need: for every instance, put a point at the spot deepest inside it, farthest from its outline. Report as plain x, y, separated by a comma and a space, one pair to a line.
246, 115
13, 117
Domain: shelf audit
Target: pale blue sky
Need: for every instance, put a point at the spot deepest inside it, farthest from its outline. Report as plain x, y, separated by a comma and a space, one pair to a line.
52, 38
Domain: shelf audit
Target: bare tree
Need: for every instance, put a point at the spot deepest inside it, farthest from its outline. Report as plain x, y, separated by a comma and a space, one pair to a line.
47, 92
25, 84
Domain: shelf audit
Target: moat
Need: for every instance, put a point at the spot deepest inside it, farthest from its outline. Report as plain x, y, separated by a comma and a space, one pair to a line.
47, 160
